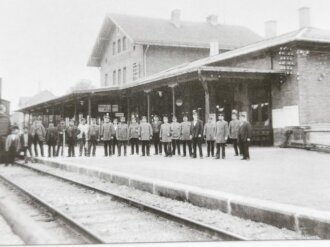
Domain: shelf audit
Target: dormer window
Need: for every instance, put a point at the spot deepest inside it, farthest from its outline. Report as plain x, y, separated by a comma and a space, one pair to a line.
124, 43
119, 45
114, 48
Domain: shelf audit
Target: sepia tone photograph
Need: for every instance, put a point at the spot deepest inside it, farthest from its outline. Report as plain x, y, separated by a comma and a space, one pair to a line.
175, 123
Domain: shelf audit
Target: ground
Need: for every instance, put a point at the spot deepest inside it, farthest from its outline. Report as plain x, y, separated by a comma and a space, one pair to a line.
291, 176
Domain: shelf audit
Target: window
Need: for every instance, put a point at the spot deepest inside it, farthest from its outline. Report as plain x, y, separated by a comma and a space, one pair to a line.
106, 80
124, 43
119, 45
119, 76
124, 75
114, 77
114, 48
135, 71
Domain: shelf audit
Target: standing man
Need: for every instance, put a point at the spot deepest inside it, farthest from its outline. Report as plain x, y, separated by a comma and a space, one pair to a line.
145, 134
165, 136
114, 140
185, 136
209, 135
61, 132
233, 130
221, 136
134, 133
51, 139
176, 132
38, 132
107, 133
12, 146
71, 133
26, 141
196, 133
156, 137
93, 136
244, 136
122, 136
83, 128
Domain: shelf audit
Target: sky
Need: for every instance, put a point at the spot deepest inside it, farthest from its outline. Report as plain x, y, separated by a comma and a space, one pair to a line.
45, 44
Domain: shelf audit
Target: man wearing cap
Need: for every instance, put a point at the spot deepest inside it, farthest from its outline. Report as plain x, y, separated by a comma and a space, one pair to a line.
156, 137
233, 130
107, 133
60, 142
133, 134
26, 141
209, 135
122, 136
38, 132
176, 132
221, 136
145, 134
93, 135
114, 140
83, 127
244, 136
165, 136
12, 146
196, 133
51, 139
71, 133
185, 136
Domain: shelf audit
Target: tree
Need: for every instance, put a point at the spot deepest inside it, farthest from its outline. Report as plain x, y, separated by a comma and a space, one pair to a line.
81, 85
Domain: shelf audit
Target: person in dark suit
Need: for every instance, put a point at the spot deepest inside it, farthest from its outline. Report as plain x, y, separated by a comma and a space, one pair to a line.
51, 139
196, 132
38, 132
12, 146
26, 141
61, 133
71, 133
244, 136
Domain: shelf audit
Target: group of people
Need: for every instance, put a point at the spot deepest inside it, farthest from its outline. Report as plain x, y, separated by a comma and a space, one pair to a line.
164, 135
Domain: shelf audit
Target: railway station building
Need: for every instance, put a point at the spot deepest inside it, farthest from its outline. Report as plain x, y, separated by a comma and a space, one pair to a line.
170, 67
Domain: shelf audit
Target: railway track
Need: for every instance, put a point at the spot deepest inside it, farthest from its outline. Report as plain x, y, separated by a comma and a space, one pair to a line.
97, 213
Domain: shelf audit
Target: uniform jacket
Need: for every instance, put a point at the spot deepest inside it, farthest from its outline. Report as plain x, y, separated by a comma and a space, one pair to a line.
221, 132
122, 132
185, 131
107, 131
134, 130
93, 133
145, 132
38, 130
244, 131
12, 141
71, 133
51, 136
165, 132
156, 126
209, 131
233, 128
197, 129
83, 131
176, 130
29, 140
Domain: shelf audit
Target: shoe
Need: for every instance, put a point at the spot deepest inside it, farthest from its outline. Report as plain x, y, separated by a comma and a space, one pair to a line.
183, 155
217, 157
223, 157
201, 157
208, 155
236, 155
244, 159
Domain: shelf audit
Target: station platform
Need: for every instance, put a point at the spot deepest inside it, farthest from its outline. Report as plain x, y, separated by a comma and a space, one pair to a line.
284, 187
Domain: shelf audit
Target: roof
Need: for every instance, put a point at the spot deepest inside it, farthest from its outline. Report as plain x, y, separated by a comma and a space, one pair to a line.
161, 32
38, 98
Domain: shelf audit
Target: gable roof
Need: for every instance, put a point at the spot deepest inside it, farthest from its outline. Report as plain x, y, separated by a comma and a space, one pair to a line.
155, 31
36, 99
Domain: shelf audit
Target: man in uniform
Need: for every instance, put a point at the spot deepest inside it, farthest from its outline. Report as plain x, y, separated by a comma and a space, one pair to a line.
83, 128
38, 132
51, 139
71, 133
185, 136
133, 134
196, 133
176, 131
60, 143
156, 137
12, 146
165, 136
26, 141
233, 130
209, 135
114, 140
122, 136
221, 136
244, 136
107, 133
93, 135
145, 134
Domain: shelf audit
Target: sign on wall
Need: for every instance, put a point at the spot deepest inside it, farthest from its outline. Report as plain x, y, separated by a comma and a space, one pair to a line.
115, 108
119, 114
104, 108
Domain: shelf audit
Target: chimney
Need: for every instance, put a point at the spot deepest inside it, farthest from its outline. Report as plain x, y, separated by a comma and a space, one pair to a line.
175, 17
214, 48
270, 29
304, 17
212, 19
